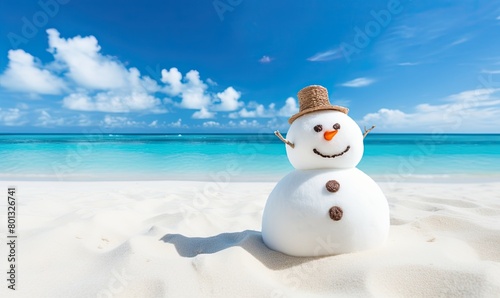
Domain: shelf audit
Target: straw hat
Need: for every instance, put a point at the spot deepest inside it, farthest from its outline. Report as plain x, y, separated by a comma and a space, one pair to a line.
314, 98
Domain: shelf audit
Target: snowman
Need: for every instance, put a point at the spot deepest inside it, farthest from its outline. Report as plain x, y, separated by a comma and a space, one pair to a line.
326, 206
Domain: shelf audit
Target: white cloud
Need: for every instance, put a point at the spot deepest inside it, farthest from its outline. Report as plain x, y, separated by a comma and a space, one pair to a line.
277, 123
113, 101
211, 124
84, 120
327, 55
173, 79
122, 89
86, 65
47, 120
22, 106
265, 59
289, 108
256, 110
228, 100
11, 117
193, 93
388, 116
458, 41
147, 83
358, 82
153, 123
132, 98
408, 63
25, 75
469, 111
490, 71
473, 95
249, 124
120, 121
259, 112
211, 82
244, 124
203, 113
177, 124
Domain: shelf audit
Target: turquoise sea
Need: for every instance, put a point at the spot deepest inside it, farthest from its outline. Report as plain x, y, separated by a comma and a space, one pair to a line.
236, 157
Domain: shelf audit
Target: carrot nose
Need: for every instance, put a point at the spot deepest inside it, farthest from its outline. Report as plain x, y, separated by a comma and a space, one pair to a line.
329, 134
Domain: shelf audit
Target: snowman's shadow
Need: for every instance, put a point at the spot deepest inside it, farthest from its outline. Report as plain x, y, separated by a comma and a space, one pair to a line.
249, 240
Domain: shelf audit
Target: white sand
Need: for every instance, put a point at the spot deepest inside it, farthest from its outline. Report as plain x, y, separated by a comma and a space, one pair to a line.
169, 239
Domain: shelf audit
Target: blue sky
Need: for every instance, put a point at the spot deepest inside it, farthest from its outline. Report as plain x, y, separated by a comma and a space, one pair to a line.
236, 65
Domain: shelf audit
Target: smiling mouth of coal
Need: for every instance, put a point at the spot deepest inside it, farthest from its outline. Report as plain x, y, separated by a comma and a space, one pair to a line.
333, 155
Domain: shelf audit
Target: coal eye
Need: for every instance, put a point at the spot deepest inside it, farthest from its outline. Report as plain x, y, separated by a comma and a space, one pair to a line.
336, 126
318, 128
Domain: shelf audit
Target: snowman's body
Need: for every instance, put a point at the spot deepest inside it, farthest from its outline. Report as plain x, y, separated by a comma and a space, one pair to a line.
296, 219
326, 206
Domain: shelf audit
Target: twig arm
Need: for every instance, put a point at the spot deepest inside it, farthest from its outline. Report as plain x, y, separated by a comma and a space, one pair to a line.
278, 134
368, 130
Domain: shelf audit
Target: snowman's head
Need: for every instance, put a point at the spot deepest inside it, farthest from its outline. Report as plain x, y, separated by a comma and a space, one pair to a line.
324, 139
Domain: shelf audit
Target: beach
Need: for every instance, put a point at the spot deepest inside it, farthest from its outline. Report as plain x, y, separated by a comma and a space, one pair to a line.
202, 239
110, 215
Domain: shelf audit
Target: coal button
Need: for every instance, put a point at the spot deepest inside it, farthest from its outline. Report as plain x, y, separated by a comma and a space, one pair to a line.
332, 186
336, 213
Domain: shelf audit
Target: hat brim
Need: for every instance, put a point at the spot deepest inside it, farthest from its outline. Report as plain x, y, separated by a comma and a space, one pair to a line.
322, 108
